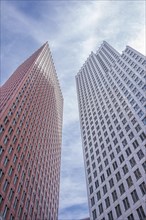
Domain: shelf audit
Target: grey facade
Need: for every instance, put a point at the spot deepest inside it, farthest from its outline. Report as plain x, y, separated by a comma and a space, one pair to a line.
111, 97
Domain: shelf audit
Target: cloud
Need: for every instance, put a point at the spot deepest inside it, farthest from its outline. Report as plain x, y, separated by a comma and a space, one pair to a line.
73, 187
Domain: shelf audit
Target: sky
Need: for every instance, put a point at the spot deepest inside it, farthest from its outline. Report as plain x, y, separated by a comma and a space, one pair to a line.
73, 29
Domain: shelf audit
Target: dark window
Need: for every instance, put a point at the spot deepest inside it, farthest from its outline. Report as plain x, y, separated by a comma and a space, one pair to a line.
104, 189
111, 182
98, 195
137, 174
141, 213
100, 208
126, 203
122, 188
118, 210
135, 144
107, 202
130, 217
134, 196
144, 166
92, 201
143, 188
94, 214
132, 162
128, 151
125, 169
140, 154
118, 176
129, 181
110, 216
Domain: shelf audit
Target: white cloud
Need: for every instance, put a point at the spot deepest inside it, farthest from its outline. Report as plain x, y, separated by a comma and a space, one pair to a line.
139, 41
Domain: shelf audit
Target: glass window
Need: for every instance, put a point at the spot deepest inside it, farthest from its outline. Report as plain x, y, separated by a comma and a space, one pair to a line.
141, 213
143, 188
137, 174
134, 196
118, 210
126, 203
129, 181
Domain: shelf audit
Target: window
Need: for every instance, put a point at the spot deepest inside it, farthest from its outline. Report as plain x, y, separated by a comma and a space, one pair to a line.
138, 128
129, 181
131, 135
122, 188
135, 144
98, 195
128, 151
114, 195
94, 214
12, 217
110, 216
143, 188
15, 203
118, 210
100, 208
96, 184
102, 178
126, 203
124, 142
104, 189
111, 182
140, 154
100, 168
125, 169
108, 172
127, 128
5, 212
130, 217
6, 139
20, 211
15, 179
137, 174
5, 186
144, 166
107, 202
112, 156
91, 189
15, 159
132, 162
118, 176
6, 161
92, 201
10, 150
106, 162
121, 158
118, 149
142, 136
134, 196
11, 193
10, 171
141, 213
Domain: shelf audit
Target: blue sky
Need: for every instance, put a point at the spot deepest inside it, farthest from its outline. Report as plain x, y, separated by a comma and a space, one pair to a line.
73, 29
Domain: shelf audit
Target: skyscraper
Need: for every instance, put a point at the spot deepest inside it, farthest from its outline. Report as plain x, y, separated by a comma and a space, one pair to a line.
111, 98
30, 150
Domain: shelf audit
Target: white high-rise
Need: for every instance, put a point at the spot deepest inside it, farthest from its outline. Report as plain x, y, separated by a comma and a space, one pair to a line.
111, 96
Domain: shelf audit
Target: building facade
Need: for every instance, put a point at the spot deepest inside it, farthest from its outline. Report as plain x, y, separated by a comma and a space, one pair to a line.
111, 97
31, 131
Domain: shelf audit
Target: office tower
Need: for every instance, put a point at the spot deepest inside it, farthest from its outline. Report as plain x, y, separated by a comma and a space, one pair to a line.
111, 97
30, 150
